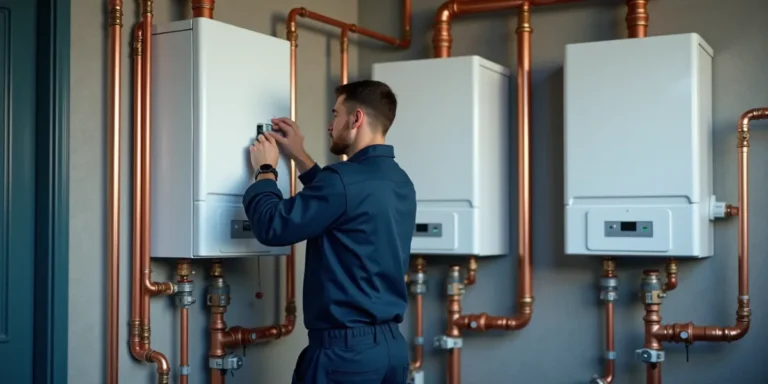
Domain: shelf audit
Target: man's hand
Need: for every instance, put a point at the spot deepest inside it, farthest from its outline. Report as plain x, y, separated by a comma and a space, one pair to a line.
291, 141
264, 151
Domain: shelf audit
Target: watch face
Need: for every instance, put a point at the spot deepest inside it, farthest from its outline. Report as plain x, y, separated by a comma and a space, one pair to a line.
265, 167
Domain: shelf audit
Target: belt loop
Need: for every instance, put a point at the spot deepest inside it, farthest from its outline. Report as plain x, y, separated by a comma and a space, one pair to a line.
326, 340
348, 334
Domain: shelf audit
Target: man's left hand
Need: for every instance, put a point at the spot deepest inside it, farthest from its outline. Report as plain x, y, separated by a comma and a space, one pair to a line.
264, 151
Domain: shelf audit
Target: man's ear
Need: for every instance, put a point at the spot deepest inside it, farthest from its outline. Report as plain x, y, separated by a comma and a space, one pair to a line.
357, 118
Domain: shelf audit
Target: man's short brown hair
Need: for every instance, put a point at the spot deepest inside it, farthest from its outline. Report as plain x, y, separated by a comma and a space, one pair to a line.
375, 97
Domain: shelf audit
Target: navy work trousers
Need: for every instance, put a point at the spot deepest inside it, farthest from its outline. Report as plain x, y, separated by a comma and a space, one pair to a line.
363, 355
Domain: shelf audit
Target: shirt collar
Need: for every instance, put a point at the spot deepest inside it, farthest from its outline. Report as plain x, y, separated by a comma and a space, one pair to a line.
376, 150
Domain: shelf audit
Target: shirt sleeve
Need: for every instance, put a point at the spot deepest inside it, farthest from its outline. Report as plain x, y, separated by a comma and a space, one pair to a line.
276, 221
309, 176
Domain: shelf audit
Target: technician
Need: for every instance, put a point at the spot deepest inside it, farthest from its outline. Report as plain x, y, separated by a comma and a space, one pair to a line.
358, 218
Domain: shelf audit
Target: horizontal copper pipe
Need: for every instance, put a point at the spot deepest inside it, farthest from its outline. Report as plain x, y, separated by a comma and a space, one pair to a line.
203, 8
442, 40
402, 42
113, 188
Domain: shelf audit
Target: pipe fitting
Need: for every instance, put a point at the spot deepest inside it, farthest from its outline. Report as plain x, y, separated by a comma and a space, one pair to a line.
651, 287
218, 293
455, 283
609, 288
184, 290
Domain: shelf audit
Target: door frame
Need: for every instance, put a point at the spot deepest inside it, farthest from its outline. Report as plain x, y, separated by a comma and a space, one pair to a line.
51, 298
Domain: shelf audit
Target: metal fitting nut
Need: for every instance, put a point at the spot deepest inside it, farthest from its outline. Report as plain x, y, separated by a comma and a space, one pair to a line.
609, 282
609, 295
185, 287
418, 288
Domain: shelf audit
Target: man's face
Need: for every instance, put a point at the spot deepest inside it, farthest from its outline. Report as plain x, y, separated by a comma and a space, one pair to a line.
340, 130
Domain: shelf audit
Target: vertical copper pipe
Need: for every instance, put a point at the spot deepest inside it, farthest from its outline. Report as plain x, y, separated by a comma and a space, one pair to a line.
609, 285
483, 321
455, 292
183, 271
420, 269
184, 343
203, 8
344, 42
637, 18
113, 189
136, 286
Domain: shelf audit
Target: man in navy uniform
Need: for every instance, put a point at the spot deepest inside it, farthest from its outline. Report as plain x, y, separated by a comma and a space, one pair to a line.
358, 219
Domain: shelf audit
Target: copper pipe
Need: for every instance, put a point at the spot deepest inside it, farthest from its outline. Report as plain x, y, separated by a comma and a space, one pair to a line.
113, 189
419, 268
655, 332
471, 272
637, 18
442, 40
482, 321
609, 285
184, 270
671, 282
134, 338
344, 43
455, 292
203, 8
143, 287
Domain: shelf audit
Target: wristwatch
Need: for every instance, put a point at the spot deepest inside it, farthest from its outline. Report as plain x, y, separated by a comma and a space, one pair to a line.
266, 168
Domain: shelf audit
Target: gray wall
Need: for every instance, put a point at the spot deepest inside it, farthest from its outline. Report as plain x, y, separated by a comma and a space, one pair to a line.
563, 343
318, 70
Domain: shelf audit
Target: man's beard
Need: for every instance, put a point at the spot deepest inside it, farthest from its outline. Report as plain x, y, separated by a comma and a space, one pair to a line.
339, 148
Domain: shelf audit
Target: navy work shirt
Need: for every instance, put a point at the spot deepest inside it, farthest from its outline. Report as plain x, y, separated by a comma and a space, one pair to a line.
358, 218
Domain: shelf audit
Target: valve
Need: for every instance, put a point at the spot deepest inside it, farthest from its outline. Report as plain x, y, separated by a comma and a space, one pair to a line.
227, 363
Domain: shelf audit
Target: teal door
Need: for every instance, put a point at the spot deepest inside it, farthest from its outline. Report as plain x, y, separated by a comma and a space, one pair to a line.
17, 188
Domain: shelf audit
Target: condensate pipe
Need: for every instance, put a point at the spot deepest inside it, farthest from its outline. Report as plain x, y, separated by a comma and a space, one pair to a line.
657, 333
113, 188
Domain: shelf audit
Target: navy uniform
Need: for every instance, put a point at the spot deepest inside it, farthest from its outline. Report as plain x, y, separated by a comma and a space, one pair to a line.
358, 218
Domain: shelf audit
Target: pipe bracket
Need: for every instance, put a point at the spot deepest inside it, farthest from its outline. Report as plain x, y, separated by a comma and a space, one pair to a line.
610, 355
418, 340
651, 356
229, 362
445, 342
184, 370
418, 288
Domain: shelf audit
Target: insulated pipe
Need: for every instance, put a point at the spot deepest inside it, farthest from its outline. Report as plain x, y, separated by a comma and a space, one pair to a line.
657, 333
115, 23
203, 8
442, 40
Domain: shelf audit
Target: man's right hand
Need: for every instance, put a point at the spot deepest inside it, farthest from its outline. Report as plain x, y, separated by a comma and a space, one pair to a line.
291, 142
